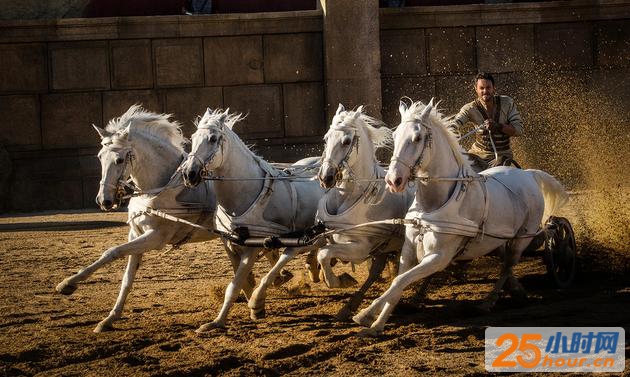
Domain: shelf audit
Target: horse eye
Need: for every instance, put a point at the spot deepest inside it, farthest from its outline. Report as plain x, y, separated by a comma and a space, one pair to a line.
119, 160
416, 138
346, 141
213, 138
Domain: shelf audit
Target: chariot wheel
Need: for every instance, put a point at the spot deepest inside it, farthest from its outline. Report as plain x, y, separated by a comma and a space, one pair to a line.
560, 252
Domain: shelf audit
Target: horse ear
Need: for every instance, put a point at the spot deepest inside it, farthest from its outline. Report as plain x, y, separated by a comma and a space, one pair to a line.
101, 132
124, 134
402, 108
427, 110
358, 112
208, 111
340, 109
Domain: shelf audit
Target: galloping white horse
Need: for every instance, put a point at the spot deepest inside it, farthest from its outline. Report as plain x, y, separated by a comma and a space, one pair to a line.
148, 148
253, 196
349, 163
457, 213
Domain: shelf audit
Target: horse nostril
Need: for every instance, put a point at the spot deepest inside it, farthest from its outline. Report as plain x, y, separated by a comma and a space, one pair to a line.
398, 181
107, 203
191, 175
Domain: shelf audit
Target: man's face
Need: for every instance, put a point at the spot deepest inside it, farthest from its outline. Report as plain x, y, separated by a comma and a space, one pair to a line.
484, 89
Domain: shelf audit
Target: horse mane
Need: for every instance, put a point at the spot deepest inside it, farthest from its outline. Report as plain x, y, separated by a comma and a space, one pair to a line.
380, 135
225, 122
440, 122
150, 124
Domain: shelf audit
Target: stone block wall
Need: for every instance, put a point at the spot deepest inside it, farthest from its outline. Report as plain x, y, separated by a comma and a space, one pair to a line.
563, 63
59, 78
566, 64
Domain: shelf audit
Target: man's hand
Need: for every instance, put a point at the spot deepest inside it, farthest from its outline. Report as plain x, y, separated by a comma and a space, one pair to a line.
493, 126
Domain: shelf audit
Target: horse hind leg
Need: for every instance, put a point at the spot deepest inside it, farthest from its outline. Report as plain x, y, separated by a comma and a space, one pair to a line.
511, 256
377, 267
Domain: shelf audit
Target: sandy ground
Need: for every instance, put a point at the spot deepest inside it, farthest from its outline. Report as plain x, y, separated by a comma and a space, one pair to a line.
42, 332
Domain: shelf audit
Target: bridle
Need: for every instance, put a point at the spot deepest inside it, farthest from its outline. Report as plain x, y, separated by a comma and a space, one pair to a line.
204, 172
343, 163
427, 144
123, 182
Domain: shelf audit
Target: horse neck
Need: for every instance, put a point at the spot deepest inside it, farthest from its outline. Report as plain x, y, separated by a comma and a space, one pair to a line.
238, 161
432, 194
153, 166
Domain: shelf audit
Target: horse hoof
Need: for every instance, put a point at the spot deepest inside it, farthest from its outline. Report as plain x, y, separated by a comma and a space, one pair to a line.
282, 278
257, 314
103, 326
66, 288
347, 281
344, 315
368, 333
363, 318
209, 327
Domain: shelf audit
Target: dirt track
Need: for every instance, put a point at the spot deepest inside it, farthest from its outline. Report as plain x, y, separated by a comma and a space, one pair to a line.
44, 332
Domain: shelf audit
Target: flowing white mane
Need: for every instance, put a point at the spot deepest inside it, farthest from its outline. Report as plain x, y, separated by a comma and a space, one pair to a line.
149, 124
224, 122
379, 134
439, 122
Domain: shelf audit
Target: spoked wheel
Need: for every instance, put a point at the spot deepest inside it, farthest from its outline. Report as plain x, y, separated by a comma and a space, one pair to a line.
560, 252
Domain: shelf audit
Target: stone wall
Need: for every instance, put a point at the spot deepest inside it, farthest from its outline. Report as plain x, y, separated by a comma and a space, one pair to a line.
566, 63
59, 77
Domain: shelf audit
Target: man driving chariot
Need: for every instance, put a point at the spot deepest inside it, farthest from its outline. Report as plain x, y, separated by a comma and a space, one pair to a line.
496, 119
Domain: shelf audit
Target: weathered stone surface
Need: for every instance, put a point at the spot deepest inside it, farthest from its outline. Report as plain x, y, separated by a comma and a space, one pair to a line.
23, 68
506, 48
20, 128
67, 120
79, 65
304, 109
58, 194
178, 62
352, 93
187, 104
454, 92
403, 52
394, 88
352, 55
452, 50
293, 57
262, 103
613, 43
233, 60
116, 103
132, 65
565, 46
90, 190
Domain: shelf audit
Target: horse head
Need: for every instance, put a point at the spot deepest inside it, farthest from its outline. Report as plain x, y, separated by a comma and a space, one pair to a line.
208, 141
412, 142
115, 157
340, 140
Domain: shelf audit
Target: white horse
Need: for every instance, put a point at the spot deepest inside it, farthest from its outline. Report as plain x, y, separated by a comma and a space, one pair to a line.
349, 163
457, 213
252, 195
148, 148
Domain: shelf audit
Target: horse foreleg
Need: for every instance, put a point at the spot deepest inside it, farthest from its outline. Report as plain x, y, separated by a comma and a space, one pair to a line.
151, 240
247, 260
352, 251
386, 303
375, 271
127, 282
257, 301
312, 266
250, 282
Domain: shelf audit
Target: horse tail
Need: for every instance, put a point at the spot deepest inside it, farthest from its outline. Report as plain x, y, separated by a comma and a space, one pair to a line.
554, 194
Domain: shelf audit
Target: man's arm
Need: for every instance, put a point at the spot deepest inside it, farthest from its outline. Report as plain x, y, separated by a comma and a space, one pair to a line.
514, 125
459, 120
